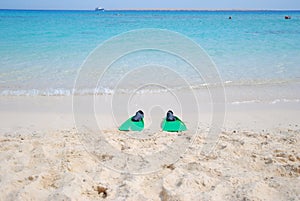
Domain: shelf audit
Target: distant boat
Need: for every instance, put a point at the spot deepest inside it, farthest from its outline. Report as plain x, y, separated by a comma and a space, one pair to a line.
99, 9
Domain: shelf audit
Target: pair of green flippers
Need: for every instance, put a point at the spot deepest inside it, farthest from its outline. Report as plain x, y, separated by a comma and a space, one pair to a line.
170, 123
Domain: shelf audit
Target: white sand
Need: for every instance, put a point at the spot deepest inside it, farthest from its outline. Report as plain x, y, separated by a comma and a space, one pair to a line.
42, 157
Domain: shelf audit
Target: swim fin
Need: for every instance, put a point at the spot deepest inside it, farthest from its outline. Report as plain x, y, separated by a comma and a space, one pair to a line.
172, 123
135, 123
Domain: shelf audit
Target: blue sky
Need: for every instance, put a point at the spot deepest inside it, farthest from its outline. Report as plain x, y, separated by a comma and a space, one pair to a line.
123, 4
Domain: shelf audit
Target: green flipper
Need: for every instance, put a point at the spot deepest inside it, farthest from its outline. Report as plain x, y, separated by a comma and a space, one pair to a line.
130, 125
173, 126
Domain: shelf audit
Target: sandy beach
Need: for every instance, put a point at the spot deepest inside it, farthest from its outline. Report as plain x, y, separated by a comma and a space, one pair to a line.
43, 157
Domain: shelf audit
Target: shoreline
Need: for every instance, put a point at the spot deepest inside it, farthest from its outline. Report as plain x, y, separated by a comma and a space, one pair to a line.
235, 93
56, 112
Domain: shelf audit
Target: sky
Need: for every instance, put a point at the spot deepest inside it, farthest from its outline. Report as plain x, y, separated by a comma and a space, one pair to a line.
150, 4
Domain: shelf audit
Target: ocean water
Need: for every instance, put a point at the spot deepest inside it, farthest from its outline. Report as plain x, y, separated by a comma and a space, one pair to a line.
41, 51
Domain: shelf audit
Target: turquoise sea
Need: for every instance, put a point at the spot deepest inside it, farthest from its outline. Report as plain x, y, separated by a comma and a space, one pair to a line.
41, 51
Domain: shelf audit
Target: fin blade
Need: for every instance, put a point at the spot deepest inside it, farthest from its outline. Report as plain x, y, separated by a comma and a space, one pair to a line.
173, 126
130, 125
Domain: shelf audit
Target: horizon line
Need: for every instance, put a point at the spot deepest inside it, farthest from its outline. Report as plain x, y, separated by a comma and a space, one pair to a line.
151, 9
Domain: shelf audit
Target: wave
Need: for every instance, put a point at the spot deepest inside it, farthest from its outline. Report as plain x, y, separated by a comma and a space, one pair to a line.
276, 101
151, 89
106, 91
250, 82
70, 92
37, 92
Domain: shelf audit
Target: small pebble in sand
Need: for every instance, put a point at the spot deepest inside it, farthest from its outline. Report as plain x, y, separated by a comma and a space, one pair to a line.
268, 160
292, 158
171, 166
102, 190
